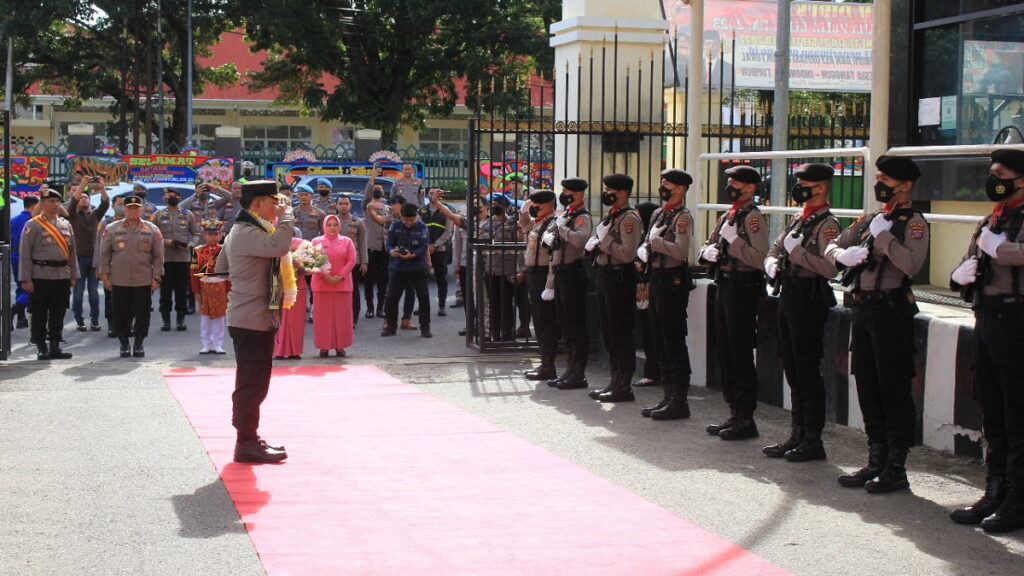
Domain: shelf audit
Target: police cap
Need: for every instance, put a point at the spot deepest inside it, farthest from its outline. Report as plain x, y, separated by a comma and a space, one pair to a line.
542, 197
618, 182
132, 200
256, 188
677, 177
744, 173
898, 167
1012, 159
814, 172
47, 193
574, 184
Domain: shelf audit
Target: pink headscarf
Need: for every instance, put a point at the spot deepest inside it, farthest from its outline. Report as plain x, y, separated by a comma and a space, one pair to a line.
326, 234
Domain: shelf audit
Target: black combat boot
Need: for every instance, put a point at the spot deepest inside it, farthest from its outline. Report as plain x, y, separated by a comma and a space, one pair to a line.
796, 434
893, 476
572, 381
554, 382
674, 410
126, 349
714, 429
742, 429
181, 327
878, 453
138, 351
166, 326
621, 390
1010, 514
546, 371
611, 386
42, 352
995, 493
810, 448
56, 353
646, 412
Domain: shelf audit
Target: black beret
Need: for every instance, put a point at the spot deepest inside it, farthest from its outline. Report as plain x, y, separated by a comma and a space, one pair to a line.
744, 173
814, 172
677, 177
256, 188
132, 200
47, 193
1012, 159
618, 182
542, 197
397, 199
898, 167
409, 210
574, 184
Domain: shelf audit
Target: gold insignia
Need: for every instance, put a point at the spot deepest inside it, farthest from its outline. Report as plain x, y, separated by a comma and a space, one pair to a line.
917, 230
120, 244
831, 234
681, 226
754, 224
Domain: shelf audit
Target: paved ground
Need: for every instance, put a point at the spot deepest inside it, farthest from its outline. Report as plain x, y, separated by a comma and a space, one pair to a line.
102, 473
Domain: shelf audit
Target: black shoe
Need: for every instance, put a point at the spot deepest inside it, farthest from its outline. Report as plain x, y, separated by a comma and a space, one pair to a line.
877, 455
387, 333
595, 393
779, 450
181, 326
893, 476
426, 334
191, 309
742, 429
380, 311
166, 326
462, 332
57, 354
441, 312
259, 452
81, 326
126, 350
541, 373
714, 429
1010, 514
95, 327
111, 333
574, 383
646, 412
995, 493
809, 449
672, 411
138, 351
620, 392
369, 312
43, 353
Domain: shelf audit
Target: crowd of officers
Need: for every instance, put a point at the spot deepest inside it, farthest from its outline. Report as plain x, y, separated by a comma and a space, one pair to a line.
640, 257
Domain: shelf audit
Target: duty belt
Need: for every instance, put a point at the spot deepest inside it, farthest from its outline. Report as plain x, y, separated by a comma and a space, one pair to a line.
997, 300
50, 263
741, 276
656, 272
880, 296
569, 266
615, 268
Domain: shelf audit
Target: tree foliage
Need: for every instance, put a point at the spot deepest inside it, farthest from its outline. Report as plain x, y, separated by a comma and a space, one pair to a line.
388, 63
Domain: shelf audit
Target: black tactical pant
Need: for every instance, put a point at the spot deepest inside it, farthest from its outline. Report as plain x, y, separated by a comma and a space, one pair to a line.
999, 380
174, 284
545, 317
439, 265
571, 306
803, 310
736, 304
616, 300
48, 304
254, 355
882, 343
670, 296
357, 308
130, 313
500, 311
401, 283
376, 280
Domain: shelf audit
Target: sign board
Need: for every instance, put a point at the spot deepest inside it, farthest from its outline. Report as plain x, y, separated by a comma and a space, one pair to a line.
27, 173
180, 169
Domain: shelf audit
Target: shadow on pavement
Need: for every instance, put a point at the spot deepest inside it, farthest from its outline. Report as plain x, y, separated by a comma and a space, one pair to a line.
209, 512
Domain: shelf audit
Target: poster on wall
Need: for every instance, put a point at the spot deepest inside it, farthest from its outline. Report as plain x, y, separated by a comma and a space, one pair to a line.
993, 67
27, 174
830, 45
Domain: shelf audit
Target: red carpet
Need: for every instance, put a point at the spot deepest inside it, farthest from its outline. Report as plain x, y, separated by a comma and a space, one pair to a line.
385, 479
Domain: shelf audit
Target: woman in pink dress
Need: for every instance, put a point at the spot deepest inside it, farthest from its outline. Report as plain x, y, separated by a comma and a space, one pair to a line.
332, 289
290, 337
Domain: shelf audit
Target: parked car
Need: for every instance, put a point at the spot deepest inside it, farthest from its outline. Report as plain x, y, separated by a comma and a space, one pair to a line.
348, 183
154, 191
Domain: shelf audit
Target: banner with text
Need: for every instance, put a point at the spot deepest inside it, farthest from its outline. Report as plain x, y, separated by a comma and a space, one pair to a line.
180, 169
27, 173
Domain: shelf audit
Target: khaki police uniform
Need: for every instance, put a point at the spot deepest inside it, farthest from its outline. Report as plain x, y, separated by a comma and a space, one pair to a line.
132, 257
52, 271
181, 228
355, 230
309, 221
539, 277
572, 230
616, 292
499, 277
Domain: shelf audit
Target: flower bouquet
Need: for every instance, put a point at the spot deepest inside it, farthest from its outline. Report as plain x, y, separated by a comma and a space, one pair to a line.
312, 257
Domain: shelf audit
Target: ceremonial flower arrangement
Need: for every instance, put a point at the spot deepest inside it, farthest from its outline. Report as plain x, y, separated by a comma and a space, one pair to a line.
312, 257
288, 281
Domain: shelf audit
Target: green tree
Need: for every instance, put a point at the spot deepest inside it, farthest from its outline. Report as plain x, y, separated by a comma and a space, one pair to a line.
385, 64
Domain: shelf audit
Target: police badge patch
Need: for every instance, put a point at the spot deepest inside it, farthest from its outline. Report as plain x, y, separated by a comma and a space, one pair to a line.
754, 224
917, 230
580, 221
628, 225
681, 226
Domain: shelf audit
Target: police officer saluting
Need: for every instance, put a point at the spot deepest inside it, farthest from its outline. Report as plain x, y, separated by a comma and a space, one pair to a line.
883, 251
666, 252
992, 270
566, 238
737, 249
131, 264
615, 243
48, 269
540, 283
796, 263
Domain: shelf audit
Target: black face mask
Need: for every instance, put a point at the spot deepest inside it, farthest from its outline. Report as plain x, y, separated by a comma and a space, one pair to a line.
999, 189
801, 194
534, 211
733, 193
884, 192
173, 201
324, 193
664, 193
378, 193
497, 211
608, 199
565, 199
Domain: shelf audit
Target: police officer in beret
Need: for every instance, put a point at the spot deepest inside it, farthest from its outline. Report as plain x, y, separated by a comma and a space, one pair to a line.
131, 264
324, 202
666, 252
48, 269
883, 251
566, 238
180, 233
796, 263
992, 267
540, 284
614, 244
737, 249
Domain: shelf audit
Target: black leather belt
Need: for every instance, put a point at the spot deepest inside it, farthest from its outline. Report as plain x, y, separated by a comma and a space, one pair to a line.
738, 276
655, 272
616, 268
569, 266
997, 300
50, 263
807, 282
880, 296
537, 269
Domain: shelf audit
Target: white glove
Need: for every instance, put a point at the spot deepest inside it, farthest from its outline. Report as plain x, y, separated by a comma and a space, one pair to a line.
790, 242
656, 231
548, 294
548, 238
966, 272
561, 221
771, 266
989, 241
592, 243
879, 223
729, 232
710, 253
602, 230
854, 256
643, 253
